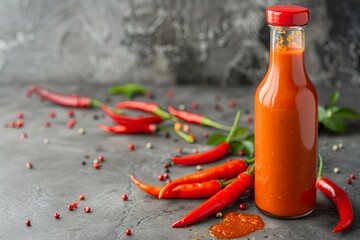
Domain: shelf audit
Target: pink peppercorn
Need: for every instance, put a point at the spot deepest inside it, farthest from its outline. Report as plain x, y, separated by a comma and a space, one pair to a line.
194, 104
47, 124
71, 123
248, 119
169, 94
128, 232
19, 114
70, 113
165, 165
52, 114
205, 134
75, 204
168, 181
87, 209
82, 197
96, 165
23, 135
28, 223
56, 215
100, 158
179, 150
29, 165
348, 181
241, 153
19, 123
124, 197
242, 206
352, 176
161, 177
166, 175
70, 207
131, 147
232, 104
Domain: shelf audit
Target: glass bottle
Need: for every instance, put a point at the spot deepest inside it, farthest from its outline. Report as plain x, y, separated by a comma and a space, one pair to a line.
286, 121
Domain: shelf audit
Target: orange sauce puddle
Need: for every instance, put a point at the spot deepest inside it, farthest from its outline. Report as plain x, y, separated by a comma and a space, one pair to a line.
236, 225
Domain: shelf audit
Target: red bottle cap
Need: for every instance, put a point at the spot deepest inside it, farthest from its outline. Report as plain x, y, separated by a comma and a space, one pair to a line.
287, 15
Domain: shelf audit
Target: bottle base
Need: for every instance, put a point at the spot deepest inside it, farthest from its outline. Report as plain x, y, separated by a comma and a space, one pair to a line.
285, 217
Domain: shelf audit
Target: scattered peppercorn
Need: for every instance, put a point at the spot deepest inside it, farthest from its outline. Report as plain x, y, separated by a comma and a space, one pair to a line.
177, 126
70, 113
23, 135
131, 147
348, 181
87, 209
124, 197
96, 117
195, 104
179, 150
167, 135
75, 204
52, 114
70, 207
168, 181
241, 153
81, 197
232, 104
242, 206
100, 158
149, 145
186, 128
248, 119
47, 124
86, 155
28, 223
219, 214
181, 107
19, 114
194, 150
56, 215
336, 170
218, 108
199, 167
335, 147
29, 165
83, 163
205, 134
70, 124
96, 165
250, 195
166, 175
82, 131
46, 141
149, 95
169, 94
165, 165
128, 232
19, 123
341, 145
352, 176
161, 177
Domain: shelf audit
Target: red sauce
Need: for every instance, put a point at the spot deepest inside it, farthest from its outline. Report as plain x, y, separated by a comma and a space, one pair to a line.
236, 225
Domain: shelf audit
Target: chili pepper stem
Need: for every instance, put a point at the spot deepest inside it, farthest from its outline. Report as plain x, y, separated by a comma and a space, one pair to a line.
208, 122
225, 183
164, 115
233, 128
181, 134
249, 161
320, 158
98, 104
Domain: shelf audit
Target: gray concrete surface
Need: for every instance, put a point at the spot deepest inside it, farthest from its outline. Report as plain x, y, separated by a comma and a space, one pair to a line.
58, 176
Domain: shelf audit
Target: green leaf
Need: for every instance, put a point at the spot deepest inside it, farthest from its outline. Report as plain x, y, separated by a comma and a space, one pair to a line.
250, 138
334, 124
321, 113
240, 133
346, 113
248, 148
334, 97
235, 147
216, 138
128, 90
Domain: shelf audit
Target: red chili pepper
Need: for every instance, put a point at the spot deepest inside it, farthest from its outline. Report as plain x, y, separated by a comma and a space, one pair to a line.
196, 118
219, 201
58, 98
145, 107
145, 128
190, 190
339, 197
226, 170
212, 155
121, 119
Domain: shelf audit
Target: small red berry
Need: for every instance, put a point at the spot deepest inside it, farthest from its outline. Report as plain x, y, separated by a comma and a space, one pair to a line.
81, 197
70, 113
56, 215
100, 158
161, 177
169, 94
29, 165
19, 123
28, 223
348, 181
12, 124
241, 153
205, 134
124, 197
131, 147
87, 209
179, 150
75, 204
23, 135
352, 176
242, 206
19, 114
168, 181
52, 114
70, 207
128, 232
47, 124
166, 175
248, 119
195, 104
165, 165
232, 104
97, 165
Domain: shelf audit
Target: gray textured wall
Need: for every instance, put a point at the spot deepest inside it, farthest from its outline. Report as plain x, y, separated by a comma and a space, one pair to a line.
167, 41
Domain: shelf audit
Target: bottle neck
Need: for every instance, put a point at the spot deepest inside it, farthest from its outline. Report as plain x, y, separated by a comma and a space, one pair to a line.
287, 38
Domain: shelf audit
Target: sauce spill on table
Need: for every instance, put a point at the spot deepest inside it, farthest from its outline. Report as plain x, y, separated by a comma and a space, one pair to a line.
236, 225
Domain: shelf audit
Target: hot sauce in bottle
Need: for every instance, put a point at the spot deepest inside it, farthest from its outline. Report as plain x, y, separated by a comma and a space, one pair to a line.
286, 121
